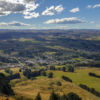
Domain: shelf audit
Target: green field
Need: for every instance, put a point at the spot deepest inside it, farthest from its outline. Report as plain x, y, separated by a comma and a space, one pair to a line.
80, 76
28, 40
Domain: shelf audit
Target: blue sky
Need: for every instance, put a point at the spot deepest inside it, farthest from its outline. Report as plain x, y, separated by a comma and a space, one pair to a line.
50, 14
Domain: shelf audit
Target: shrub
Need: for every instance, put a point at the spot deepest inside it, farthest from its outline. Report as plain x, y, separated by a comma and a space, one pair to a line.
52, 68
70, 69
54, 96
43, 73
9, 71
94, 75
63, 69
38, 97
66, 79
73, 96
64, 97
50, 75
59, 83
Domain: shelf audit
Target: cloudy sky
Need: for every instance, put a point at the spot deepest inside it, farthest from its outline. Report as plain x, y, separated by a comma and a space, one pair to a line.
49, 14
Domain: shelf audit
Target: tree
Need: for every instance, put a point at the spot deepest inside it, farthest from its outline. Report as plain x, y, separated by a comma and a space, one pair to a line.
5, 87
54, 96
38, 97
64, 97
73, 96
20, 70
7, 99
50, 75
64, 69
70, 69
43, 73
52, 68
59, 83
66, 78
9, 71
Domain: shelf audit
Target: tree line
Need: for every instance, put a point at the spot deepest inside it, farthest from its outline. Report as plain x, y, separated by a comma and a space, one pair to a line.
92, 90
5, 87
54, 96
94, 75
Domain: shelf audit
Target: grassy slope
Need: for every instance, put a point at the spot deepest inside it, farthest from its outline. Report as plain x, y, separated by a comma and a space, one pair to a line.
81, 77
4, 98
30, 88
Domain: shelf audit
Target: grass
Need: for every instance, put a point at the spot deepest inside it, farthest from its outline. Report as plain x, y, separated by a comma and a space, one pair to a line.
1, 51
30, 88
44, 85
4, 98
49, 53
28, 40
80, 76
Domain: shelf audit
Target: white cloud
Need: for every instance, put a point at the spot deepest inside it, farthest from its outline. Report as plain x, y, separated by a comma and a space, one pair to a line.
4, 13
74, 10
6, 7
89, 6
31, 7
70, 20
14, 23
93, 6
52, 10
96, 6
31, 15
17, 6
59, 8
49, 11
28, 1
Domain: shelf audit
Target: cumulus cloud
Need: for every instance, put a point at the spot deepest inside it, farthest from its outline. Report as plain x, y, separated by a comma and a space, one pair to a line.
17, 6
71, 20
5, 13
49, 11
74, 10
52, 10
28, 1
14, 23
8, 7
59, 8
89, 6
93, 6
31, 15
96, 6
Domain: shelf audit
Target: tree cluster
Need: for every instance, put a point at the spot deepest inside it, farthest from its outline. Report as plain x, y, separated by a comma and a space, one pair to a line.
5, 87
94, 75
29, 74
66, 78
92, 90
7, 70
54, 96
15, 76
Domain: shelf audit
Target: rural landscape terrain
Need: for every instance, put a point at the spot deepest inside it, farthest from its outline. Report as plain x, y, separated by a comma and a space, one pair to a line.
50, 64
